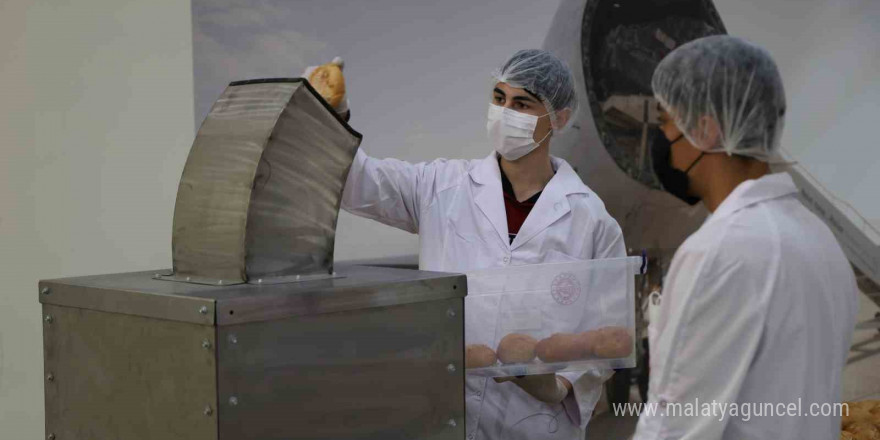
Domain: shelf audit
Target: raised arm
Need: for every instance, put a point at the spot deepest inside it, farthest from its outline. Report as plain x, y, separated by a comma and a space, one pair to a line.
387, 190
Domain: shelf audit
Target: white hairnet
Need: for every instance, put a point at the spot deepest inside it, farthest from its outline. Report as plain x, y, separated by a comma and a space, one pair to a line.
730, 80
543, 75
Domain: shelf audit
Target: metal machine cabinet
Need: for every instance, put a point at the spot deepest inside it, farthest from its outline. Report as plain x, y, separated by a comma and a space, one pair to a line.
372, 353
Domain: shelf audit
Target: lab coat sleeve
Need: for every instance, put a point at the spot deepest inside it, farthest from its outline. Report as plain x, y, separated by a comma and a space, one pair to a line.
608, 239
710, 325
390, 191
586, 390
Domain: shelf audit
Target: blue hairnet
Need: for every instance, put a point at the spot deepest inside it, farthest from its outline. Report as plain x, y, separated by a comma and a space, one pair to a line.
542, 74
734, 82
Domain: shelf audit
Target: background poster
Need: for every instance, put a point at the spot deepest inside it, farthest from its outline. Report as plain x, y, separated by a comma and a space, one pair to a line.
417, 73
418, 77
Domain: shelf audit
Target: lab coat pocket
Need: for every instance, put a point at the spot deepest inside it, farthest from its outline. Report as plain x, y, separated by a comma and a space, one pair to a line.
465, 251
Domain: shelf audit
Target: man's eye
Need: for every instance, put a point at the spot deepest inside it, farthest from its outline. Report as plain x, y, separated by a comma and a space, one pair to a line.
521, 106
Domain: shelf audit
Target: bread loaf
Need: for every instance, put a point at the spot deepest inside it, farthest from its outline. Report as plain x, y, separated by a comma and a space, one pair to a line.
562, 347
517, 348
479, 356
612, 342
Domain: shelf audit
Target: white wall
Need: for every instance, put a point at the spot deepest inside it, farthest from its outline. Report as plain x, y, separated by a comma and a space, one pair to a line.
96, 109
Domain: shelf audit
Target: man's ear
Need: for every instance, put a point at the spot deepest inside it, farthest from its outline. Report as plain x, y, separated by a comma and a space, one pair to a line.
562, 117
708, 133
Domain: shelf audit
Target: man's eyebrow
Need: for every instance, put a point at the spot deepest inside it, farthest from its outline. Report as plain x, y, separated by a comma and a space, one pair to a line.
524, 98
518, 98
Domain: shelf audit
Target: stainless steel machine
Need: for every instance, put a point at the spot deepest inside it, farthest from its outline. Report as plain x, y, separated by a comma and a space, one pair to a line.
254, 333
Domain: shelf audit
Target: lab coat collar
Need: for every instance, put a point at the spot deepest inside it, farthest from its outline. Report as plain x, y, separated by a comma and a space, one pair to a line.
754, 191
551, 205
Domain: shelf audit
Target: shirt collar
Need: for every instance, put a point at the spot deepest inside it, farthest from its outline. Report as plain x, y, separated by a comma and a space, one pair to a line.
507, 188
752, 191
488, 172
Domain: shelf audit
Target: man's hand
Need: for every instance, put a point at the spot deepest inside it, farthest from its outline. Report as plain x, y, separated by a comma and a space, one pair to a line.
548, 388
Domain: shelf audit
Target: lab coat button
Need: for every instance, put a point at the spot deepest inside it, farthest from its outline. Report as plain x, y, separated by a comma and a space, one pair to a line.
470, 437
557, 206
506, 260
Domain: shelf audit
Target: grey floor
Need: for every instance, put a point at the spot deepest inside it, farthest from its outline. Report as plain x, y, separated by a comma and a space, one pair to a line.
861, 381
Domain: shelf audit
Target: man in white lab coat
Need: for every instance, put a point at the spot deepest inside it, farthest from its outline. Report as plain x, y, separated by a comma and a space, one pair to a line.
759, 304
519, 205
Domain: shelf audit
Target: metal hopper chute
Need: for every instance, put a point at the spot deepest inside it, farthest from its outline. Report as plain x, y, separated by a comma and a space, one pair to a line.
260, 193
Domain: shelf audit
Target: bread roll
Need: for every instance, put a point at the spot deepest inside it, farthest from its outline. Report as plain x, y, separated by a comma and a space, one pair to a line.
479, 356
612, 342
863, 431
328, 81
862, 422
857, 413
517, 348
562, 347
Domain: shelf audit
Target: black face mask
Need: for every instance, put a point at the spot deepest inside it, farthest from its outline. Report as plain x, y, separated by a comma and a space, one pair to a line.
674, 181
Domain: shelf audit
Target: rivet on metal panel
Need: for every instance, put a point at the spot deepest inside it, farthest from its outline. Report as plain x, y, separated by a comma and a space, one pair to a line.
203, 310
208, 410
46, 291
452, 423
49, 319
51, 437
188, 278
233, 401
219, 282
259, 281
156, 276
297, 277
450, 368
206, 344
50, 377
450, 313
232, 339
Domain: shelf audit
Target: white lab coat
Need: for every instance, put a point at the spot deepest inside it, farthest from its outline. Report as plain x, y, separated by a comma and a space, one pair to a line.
758, 307
457, 208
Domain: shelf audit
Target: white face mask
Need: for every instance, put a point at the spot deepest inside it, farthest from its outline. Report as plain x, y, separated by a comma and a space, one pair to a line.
511, 132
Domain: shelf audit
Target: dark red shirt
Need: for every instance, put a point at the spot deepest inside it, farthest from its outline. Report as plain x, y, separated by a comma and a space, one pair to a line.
516, 211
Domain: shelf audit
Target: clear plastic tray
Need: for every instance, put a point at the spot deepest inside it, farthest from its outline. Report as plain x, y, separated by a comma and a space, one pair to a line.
590, 303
